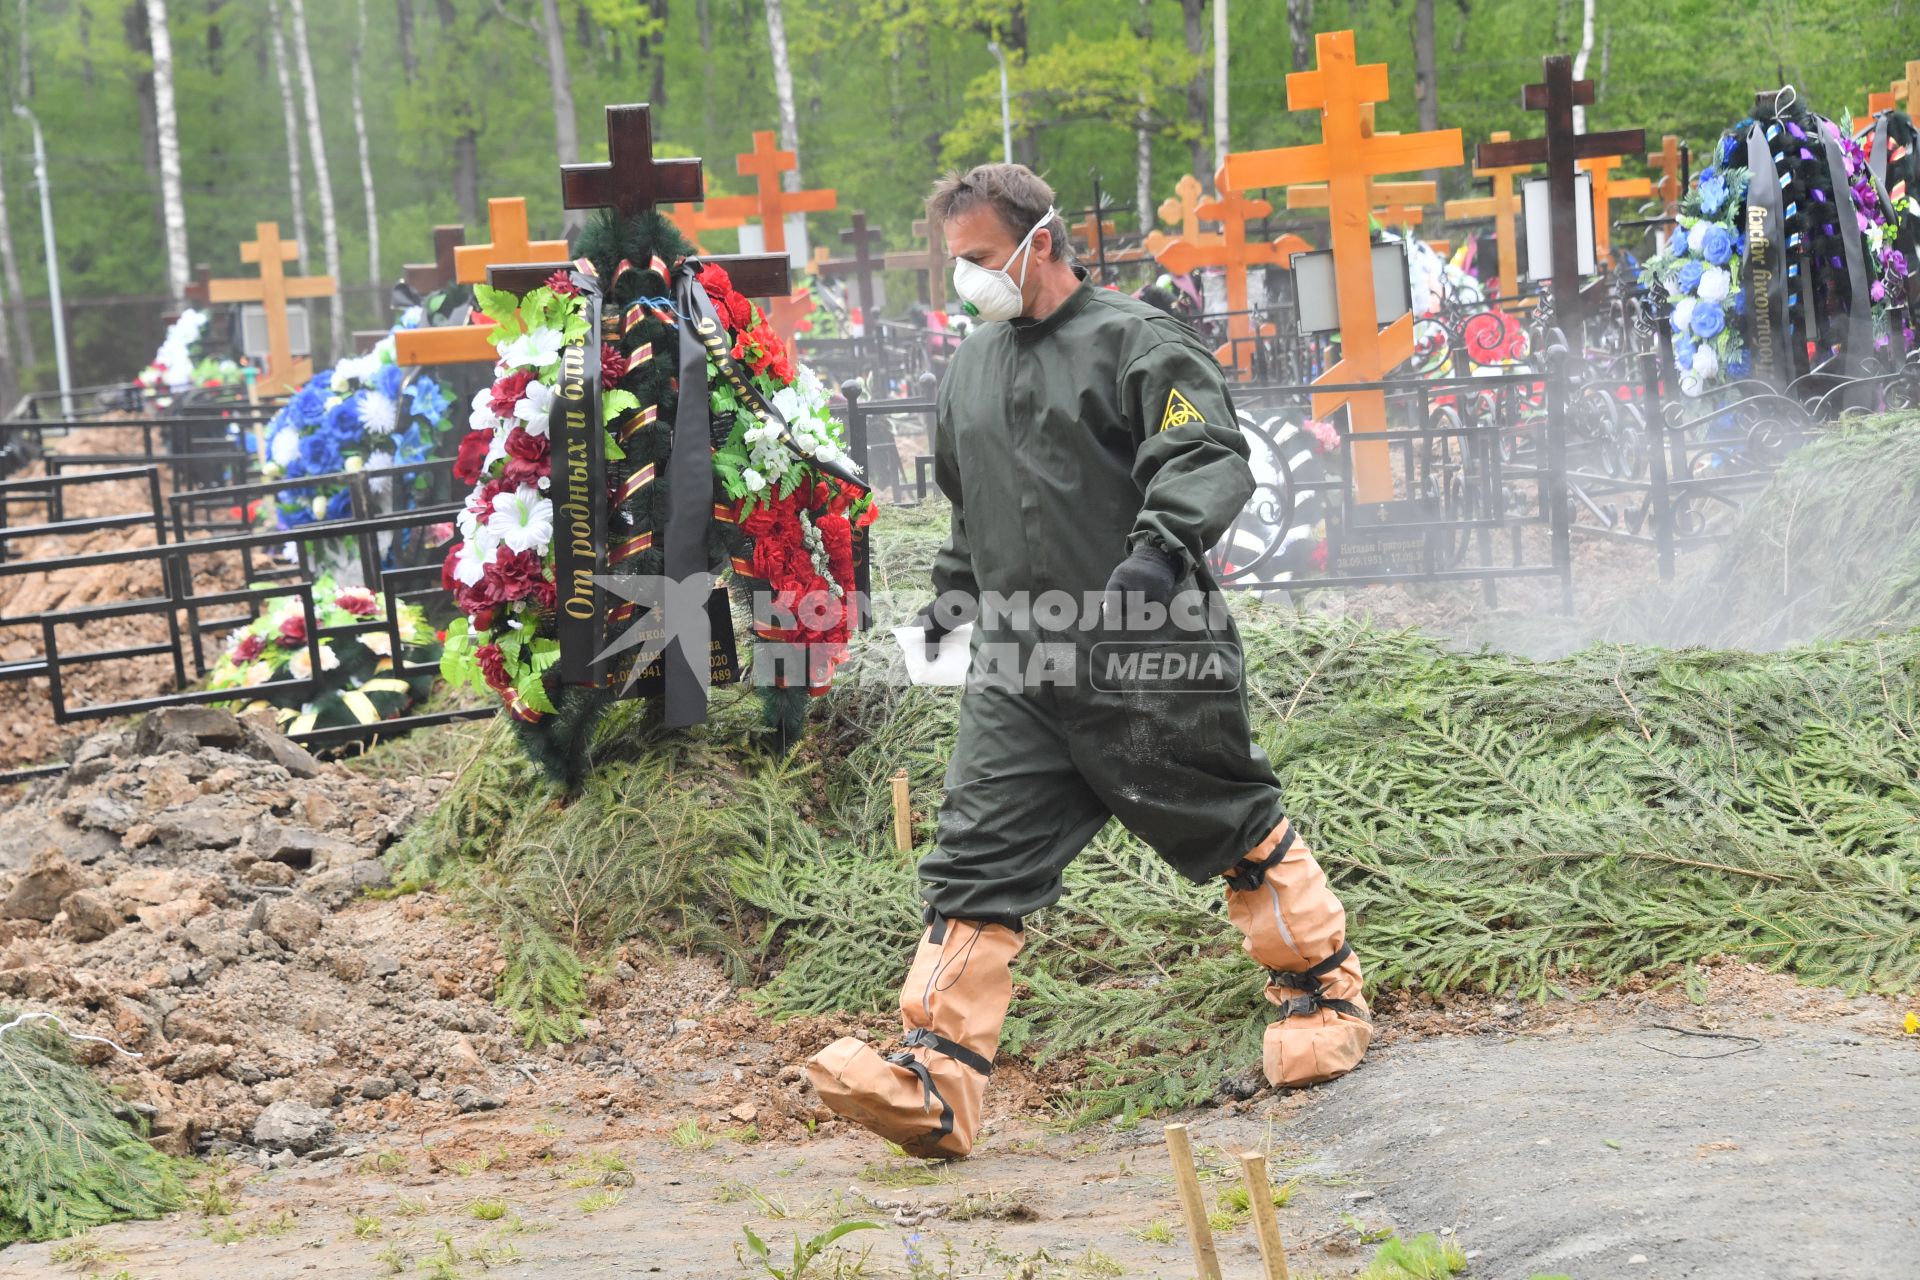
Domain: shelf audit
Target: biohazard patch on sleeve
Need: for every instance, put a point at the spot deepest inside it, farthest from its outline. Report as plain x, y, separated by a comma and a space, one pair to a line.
1180, 411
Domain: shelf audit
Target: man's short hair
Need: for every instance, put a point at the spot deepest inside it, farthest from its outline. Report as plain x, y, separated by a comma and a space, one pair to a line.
1016, 194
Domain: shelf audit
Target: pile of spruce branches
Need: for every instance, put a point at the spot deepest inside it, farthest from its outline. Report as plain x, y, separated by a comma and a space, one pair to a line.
1493, 824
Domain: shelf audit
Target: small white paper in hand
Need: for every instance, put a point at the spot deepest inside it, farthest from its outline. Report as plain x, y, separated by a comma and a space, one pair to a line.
949, 664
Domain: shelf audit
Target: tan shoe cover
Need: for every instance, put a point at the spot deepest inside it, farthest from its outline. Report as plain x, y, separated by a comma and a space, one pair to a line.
1291, 922
958, 989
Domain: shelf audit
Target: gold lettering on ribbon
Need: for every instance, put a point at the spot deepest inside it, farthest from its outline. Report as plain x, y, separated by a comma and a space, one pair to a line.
1760, 289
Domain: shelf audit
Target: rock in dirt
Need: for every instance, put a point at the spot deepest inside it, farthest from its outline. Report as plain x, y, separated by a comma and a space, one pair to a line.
292, 920
292, 1126
37, 895
468, 1098
91, 914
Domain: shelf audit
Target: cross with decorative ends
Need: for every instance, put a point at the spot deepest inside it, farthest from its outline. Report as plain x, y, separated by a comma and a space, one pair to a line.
1607, 189
931, 262
272, 290
1345, 159
863, 265
467, 344
1182, 207
631, 181
1560, 150
428, 277
765, 163
1503, 206
1668, 162
1234, 256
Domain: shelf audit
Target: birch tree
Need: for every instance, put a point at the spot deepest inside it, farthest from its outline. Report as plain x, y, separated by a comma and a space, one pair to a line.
173, 210
566, 128
1143, 132
329, 227
783, 90
366, 160
9, 259
1580, 61
1192, 14
291, 115
1219, 82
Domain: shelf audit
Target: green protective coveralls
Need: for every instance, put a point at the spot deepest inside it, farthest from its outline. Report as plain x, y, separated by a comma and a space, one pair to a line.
1063, 443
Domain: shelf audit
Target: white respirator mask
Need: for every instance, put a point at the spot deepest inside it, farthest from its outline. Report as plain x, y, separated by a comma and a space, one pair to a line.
995, 294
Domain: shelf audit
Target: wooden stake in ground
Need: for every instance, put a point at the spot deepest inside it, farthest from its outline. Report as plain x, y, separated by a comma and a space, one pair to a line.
902, 813
1253, 1168
1186, 1183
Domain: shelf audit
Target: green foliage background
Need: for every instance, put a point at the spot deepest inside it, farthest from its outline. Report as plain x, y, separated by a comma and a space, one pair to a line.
888, 91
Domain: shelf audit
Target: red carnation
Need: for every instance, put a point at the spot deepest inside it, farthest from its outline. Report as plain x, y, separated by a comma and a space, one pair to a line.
472, 456
739, 313
357, 601
519, 472
493, 666
613, 365
562, 283
248, 649
714, 279
293, 631
508, 392
526, 446
449, 583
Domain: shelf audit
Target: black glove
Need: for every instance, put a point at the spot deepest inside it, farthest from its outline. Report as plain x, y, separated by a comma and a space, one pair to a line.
929, 618
1149, 571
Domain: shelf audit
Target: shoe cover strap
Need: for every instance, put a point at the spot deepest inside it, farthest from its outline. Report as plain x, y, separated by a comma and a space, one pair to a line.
921, 1038
1247, 876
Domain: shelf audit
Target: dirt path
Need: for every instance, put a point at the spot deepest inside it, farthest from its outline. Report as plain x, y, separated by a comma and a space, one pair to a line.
1571, 1140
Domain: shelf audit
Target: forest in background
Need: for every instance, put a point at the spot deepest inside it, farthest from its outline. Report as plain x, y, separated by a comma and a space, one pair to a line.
459, 100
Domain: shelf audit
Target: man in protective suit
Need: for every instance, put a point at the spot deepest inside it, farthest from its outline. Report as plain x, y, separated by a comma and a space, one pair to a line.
1090, 451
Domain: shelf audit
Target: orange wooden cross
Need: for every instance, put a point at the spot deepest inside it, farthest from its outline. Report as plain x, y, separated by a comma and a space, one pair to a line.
791, 315
1607, 189
1232, 210
1386, 199
931, 262
1182, 208
1666, 161
467, 343
765, 163
1503, 206
272, 289
1090, 232
1402, 218
719, 213
1345, 159
1905, 90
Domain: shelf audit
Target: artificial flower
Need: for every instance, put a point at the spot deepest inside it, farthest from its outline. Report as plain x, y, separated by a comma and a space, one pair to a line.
522, 520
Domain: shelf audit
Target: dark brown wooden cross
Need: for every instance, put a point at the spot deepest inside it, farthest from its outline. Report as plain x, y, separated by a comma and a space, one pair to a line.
1560, 149
429, 277
631, 181
932, 262
196, 290
863, 265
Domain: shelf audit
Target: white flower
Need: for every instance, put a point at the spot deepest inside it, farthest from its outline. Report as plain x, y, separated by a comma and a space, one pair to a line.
355, 369
319, 508
523, 520
412, 316
788, 403
1691, 384
1705, 363
355, 463
1697, 238
284, 448
1715, 283
812, 390
482, 416
1683, 315
380, 485
467, 564
496, 448
533, 407
378, 413
378, 643
536, 350
754, 481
